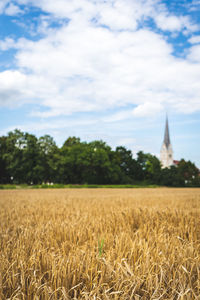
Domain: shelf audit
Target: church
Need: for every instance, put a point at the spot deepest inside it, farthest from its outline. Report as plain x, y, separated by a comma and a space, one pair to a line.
166, 153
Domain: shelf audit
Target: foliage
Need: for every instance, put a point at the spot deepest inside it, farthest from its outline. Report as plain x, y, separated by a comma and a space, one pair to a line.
26, 159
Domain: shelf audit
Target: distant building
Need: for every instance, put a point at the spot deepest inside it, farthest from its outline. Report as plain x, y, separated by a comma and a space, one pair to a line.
176, 162
166, 152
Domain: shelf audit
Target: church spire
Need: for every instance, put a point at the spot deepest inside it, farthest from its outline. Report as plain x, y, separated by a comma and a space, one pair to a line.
166, 137
166, 153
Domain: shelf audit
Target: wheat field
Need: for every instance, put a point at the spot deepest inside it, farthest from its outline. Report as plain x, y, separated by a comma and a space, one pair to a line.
100, 244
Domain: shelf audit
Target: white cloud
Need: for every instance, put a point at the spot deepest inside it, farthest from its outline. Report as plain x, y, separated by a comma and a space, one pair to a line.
7, 44
12, 10
170, 23
194, 54
82, 66
175, 23
9, 8
11, 84
195, 39
116, 14
194, 5
119, 116
147, 109
3, 4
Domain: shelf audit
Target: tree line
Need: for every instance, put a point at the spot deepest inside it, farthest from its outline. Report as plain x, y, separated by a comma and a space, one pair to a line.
24, 158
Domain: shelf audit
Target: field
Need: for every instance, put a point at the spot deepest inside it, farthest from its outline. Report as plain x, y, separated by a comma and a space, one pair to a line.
100, 244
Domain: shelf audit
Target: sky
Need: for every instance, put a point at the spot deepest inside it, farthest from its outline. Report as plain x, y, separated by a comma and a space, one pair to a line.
103, 69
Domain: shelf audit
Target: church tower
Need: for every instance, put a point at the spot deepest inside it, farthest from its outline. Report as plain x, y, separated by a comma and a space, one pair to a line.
166, 153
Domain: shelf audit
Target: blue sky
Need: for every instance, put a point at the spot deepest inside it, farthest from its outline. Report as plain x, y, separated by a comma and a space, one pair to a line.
106, 70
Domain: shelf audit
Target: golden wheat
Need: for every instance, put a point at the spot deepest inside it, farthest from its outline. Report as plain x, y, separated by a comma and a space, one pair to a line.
100, 244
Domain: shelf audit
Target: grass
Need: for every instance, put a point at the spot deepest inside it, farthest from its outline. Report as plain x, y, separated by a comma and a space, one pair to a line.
100, 244
75, 186
100, 247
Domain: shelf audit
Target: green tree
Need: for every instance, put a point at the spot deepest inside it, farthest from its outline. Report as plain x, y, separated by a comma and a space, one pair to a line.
26, 159
88, 163
49, 156
15, 143
22, 157
71, 141
101, 169
189, 173
130, 168
171, 177
150, 167
69, 166
31, 160
4, 173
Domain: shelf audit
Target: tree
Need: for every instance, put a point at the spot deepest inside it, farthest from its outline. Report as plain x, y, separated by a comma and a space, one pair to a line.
189, 173
170, 177
4, 173
71, 141
100, 166
130, 167
15, 143
22, 157
26, 159
31, 160
153, 167
88, 163
150, 167
49, 155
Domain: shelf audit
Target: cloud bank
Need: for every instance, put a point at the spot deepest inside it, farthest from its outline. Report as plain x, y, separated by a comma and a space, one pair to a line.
103, 55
